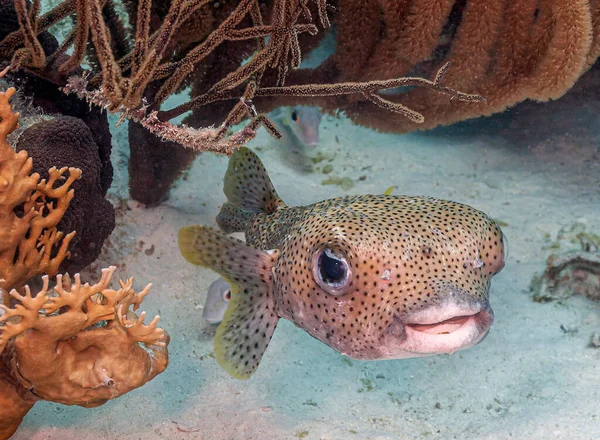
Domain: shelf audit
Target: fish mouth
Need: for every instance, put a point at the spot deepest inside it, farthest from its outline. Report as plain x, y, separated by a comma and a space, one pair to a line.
444, 327
440, 329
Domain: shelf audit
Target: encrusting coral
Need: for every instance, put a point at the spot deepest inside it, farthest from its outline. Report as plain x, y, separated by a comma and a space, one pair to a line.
30, 209
76, 346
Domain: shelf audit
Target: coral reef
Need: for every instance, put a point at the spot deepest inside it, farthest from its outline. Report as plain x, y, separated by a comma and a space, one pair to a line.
242, 59
77, 346
212, 55
67, 142
30, 210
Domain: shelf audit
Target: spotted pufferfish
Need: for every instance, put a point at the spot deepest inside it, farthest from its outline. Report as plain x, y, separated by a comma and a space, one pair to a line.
371, 276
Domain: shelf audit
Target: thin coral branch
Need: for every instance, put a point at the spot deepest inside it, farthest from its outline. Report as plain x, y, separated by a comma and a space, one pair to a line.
28, 22
312, 90
79, 36
412, 115
245, 107
24, 315
137, 331
111, 74
370, 87
142, 43
204, 139
322, 8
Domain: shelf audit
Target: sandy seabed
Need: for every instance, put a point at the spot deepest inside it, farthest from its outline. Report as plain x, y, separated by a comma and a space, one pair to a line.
530, 379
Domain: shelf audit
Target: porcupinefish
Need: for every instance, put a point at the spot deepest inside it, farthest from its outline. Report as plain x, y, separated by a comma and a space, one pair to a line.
217, 300
219, 293
371, 276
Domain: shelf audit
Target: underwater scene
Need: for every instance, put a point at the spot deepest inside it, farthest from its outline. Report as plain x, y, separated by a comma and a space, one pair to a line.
300, 219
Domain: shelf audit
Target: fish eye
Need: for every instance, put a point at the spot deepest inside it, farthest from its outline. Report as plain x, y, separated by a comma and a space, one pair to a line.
295, 116
331, 271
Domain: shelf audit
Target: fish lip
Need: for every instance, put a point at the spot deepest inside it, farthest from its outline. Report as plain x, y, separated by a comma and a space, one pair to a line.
445, 312
482, 319
440, 329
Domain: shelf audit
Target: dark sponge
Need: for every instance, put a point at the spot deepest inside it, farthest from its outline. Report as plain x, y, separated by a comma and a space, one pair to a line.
67, 142
46, 94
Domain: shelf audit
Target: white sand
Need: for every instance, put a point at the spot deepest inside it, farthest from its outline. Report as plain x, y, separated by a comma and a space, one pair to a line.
527, 380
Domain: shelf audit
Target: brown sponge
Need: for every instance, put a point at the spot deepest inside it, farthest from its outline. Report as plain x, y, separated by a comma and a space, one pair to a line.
67, 142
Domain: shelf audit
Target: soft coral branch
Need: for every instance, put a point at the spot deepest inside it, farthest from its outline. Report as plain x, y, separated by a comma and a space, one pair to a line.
204, 139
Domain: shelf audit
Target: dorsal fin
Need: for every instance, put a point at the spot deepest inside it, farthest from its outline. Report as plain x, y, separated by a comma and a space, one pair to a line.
249, 191
247, 184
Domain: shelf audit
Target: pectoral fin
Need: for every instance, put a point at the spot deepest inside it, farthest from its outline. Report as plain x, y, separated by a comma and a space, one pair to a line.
250, 320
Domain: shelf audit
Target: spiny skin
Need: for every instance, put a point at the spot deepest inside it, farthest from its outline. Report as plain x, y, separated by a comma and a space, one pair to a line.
405, 254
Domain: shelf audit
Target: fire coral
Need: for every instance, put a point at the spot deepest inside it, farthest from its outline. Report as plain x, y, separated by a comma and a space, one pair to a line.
30, 244
76, 346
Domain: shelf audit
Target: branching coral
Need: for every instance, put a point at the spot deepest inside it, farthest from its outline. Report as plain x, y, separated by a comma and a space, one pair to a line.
30, 209
67, 141
505, 51
164, 57
241, 60
78, 345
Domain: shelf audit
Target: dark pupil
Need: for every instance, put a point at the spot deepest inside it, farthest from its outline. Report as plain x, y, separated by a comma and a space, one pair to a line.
294, 115
332, 270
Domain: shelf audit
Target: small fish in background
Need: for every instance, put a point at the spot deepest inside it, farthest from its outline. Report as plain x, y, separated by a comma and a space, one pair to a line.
217, 300
300, 128
371, 276
302, 122
390, 190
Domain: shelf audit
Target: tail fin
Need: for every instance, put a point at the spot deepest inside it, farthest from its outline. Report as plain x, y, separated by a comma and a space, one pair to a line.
249, 191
